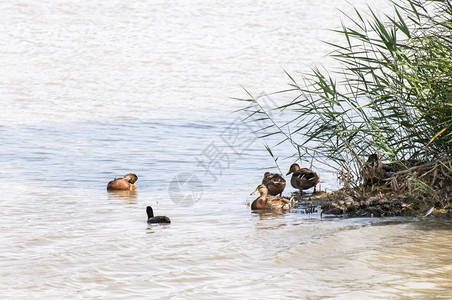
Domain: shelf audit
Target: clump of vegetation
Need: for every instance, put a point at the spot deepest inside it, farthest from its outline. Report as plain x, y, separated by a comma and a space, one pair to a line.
392, 97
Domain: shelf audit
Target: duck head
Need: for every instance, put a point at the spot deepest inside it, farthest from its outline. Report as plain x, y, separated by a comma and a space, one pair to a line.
261, 189
293, 168
132, 178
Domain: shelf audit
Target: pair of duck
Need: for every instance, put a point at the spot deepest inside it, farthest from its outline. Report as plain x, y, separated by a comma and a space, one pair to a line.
274, 184
128, 183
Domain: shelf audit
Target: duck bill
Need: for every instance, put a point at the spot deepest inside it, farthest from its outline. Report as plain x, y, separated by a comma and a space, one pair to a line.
255, 192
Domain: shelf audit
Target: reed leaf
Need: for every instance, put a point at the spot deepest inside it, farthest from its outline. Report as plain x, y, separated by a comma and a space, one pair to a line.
391, 96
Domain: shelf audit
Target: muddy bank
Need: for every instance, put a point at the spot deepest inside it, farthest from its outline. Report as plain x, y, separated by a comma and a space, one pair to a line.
355, 203
417, 191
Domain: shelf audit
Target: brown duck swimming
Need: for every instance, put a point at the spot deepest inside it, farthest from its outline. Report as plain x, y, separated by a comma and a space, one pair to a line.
275, 183
303, 178
268, 202
125, 183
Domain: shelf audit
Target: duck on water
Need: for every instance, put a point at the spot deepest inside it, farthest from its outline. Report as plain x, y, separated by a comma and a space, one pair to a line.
266, 202
275, 183
126, 183
156, 219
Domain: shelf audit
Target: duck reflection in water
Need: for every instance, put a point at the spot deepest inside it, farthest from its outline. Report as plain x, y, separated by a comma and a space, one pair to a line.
128, 195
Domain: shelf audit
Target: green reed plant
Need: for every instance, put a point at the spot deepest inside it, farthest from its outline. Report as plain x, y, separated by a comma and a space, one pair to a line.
392, 94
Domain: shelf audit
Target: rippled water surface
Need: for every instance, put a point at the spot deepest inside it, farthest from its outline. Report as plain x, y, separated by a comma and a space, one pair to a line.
91, 90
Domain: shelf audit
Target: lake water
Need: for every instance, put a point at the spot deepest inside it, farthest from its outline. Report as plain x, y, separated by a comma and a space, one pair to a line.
91, 90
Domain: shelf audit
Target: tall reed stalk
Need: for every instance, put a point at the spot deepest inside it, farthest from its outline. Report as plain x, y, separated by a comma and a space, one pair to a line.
392, 95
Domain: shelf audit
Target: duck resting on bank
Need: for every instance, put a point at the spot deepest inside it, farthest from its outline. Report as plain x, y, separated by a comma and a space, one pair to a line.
275, 183
303, 178
126, 183
374, 171
269, 202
